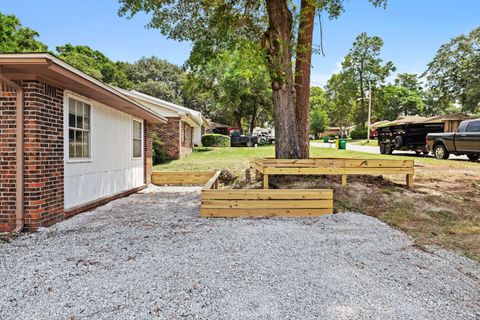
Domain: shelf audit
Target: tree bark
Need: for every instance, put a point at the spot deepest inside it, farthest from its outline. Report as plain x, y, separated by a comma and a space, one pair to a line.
254, 117
302, 74
277, 45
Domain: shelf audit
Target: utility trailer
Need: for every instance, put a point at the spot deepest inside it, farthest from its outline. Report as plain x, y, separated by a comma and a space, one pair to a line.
406, 136
409, 133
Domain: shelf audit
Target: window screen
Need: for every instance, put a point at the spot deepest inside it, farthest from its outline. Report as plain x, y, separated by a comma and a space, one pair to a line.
78, 129
137, 139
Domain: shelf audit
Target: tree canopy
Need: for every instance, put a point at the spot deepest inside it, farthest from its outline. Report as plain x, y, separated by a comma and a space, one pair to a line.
158, 78
218, 24
94, 63
364, 66
237, 81
454, 71
16, 38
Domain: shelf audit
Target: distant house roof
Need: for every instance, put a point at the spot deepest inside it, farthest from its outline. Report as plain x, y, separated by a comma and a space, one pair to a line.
416, 119
47, 68
218, 125
194, 117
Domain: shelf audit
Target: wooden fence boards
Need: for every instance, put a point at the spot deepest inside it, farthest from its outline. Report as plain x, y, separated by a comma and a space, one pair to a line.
333, 166
266, 203
170, 177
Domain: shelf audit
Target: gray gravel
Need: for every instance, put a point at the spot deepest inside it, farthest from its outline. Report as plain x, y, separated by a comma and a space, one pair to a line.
151, 256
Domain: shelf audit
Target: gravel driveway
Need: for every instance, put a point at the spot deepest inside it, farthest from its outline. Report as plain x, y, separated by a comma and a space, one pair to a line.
150, 256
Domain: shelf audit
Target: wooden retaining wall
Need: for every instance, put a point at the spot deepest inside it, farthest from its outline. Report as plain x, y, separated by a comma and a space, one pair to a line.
229, 203
332, 166
266, 203
182, 177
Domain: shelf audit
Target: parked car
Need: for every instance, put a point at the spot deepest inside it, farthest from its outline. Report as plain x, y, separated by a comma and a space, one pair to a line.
238, 140
466, 141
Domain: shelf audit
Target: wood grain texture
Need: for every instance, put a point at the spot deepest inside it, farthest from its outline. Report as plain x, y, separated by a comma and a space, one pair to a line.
161, 178
266, 203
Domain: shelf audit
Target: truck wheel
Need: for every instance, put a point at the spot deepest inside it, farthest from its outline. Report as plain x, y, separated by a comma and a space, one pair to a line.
249, 144
398, 141
388, 149
382, 148
473, 157
441, 152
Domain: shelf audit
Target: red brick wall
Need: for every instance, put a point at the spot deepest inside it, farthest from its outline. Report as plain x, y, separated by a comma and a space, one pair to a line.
43, 154
7, 158
174, 140
169, 134
148, 151
43, 157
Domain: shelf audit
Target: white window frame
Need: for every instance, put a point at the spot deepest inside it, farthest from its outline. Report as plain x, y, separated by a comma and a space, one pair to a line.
142, 141
70, 95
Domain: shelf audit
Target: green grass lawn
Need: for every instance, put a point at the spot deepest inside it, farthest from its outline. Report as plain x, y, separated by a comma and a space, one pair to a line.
237, 159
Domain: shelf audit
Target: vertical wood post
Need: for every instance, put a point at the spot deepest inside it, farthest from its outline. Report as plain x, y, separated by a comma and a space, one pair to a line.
410, 180
265, 181
344, 179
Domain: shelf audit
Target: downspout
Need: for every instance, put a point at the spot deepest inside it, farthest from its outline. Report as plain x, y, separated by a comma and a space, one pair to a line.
19, 203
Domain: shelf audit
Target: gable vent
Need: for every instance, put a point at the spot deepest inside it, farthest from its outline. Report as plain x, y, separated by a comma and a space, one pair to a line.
6, 91
50, 91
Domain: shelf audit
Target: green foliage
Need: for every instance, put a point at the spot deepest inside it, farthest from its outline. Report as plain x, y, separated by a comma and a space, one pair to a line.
341, 91
236, 81
409, 81
364, 66
318, 121
394, 101
158, 78
159, 153
359, 133
454, 73
94, 63
16, 38
215, 140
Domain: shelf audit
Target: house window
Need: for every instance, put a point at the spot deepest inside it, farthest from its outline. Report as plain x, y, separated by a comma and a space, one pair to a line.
137, 139
78, 129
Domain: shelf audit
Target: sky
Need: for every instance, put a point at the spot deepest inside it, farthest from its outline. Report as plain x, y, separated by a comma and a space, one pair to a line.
412, 30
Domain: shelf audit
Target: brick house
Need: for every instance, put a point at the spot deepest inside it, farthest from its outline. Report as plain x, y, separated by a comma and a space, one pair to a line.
184, 128
68, 142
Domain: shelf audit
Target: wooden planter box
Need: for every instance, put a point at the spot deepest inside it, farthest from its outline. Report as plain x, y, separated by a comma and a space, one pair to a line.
229, 203
182, 177
332, 166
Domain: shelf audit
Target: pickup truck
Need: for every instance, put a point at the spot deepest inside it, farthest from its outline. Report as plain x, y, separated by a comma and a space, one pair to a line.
238, 140
466, 141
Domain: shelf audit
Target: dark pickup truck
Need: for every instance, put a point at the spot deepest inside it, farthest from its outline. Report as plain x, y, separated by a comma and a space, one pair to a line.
237, 140
465, 141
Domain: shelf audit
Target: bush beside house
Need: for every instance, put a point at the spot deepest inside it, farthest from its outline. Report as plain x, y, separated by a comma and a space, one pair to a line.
215, 140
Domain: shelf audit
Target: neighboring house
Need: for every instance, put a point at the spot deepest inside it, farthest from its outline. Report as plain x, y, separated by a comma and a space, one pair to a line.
184, 129
219, 128
68, 142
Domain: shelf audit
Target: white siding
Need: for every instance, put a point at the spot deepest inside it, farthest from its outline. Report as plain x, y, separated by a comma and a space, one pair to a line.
197, 136
111, 168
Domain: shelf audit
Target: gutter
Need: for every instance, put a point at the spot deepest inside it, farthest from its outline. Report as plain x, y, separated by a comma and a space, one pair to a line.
19, 203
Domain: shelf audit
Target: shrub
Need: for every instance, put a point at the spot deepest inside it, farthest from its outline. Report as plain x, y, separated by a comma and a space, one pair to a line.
159, 153
215, 140
360, 133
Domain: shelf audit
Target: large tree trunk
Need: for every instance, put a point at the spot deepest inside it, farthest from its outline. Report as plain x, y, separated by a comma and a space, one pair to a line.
302, 73
277, 45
